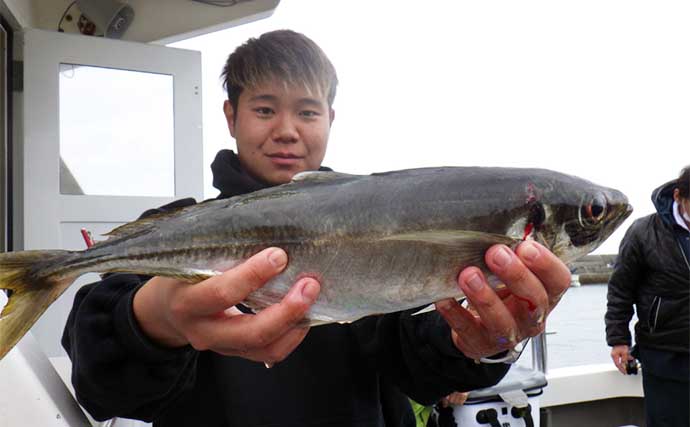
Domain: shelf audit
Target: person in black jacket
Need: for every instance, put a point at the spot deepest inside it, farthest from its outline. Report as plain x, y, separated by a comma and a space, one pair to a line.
653, 273
160, 350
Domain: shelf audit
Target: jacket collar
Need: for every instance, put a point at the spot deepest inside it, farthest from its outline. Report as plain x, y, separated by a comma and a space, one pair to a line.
662, 198
231, 179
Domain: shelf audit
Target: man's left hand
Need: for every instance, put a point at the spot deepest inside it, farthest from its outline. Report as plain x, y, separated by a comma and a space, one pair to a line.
535, 280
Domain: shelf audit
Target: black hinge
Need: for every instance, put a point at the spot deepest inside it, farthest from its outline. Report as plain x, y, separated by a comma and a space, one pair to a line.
17, 76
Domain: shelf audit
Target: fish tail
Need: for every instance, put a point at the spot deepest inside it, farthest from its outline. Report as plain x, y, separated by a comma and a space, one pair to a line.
33, 280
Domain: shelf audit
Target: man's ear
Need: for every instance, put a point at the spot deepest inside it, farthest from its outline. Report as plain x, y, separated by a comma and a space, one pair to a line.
331, 116
676, 194
229, 117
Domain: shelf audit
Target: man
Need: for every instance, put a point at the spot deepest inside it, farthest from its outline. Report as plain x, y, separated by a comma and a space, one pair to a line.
162, 350
653, 273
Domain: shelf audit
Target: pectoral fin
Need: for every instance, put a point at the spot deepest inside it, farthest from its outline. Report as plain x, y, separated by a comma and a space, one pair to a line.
466, 247
465, 239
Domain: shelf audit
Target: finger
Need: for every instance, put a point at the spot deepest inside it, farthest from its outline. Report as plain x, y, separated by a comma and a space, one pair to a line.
273, 353
249, 332
523, 284
496, 319
551, 271
617, 361
457, 398
458, 318
283, 346
468, 334
230, 288
621, 367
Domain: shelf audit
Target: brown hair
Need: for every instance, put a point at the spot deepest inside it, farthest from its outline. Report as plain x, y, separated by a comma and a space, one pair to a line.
285, 55
683, 183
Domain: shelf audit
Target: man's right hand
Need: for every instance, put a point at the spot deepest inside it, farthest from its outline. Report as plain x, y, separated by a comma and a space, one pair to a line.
620, 355
174, 313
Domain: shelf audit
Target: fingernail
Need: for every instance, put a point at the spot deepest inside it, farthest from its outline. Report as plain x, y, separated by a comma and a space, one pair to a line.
310, 290
502, 341
502, 257
277, 257
529, 251
475, 282
538, 317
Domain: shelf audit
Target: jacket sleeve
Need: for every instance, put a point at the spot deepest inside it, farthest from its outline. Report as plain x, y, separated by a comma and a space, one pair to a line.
116, 369
622, 288
416, 353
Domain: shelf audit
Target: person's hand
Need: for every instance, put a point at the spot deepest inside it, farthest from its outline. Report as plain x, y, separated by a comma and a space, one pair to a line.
620, 355
456, 398
535, 280
175, 313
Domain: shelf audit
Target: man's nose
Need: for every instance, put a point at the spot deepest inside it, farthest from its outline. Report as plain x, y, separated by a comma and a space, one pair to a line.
285, 129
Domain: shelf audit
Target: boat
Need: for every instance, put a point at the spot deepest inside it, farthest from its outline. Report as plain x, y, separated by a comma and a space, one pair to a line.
45, 204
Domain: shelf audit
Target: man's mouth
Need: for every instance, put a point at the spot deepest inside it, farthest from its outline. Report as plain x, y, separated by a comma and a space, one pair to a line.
284, 158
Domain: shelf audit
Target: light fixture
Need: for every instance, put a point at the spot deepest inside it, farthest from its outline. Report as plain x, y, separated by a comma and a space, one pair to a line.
110, 16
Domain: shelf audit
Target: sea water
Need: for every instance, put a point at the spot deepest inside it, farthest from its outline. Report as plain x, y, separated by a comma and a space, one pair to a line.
575, 330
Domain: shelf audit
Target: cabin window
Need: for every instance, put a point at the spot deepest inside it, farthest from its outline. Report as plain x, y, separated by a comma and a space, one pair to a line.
116, 132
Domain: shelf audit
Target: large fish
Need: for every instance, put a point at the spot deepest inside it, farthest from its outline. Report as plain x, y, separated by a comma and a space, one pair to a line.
377, 243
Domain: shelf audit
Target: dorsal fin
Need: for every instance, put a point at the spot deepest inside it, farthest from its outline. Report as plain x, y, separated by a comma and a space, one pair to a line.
134, 227
144, 225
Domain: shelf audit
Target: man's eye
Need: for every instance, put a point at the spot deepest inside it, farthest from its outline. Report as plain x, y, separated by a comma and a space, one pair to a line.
309, 113
263, 111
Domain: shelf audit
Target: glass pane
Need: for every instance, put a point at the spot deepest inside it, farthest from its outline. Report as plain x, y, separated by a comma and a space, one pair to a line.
116, 132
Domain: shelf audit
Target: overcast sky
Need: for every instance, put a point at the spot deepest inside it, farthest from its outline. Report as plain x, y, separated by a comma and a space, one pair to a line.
598, 89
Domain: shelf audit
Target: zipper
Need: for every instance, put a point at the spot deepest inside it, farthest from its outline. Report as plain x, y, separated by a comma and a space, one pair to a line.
682, 252
652, 324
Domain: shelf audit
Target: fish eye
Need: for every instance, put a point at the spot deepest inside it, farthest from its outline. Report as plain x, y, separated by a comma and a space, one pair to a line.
593, 211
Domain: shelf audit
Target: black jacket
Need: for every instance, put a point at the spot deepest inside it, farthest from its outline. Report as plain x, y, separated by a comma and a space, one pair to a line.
340, 375
652, 272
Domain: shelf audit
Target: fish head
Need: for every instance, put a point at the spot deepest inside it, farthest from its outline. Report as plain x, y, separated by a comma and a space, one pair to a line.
575, 216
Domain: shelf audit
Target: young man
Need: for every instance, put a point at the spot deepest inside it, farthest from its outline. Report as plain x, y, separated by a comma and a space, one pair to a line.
161, 350
653, 273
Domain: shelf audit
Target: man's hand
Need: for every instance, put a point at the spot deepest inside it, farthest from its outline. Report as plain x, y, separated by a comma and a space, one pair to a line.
175, 313
456, 398
535, 281
620, 355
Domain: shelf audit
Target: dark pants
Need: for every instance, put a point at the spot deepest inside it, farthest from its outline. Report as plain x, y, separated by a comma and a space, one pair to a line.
666, 387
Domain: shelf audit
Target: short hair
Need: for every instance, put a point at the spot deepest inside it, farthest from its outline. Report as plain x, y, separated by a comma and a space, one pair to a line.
683, 183
285, 55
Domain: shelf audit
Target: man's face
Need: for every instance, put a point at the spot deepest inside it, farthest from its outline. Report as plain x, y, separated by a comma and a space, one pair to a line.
683, 203
279, 131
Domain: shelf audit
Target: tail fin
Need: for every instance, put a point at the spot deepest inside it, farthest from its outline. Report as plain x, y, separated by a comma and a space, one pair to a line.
31, 290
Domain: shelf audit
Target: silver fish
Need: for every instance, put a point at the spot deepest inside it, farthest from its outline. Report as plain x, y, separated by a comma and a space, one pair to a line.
377, 243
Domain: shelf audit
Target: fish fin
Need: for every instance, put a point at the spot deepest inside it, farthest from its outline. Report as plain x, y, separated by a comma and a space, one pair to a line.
320, 176
189, 275
30, 293
429, 308
146, 224
432, 307
131, 228
466, 246
462, 238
